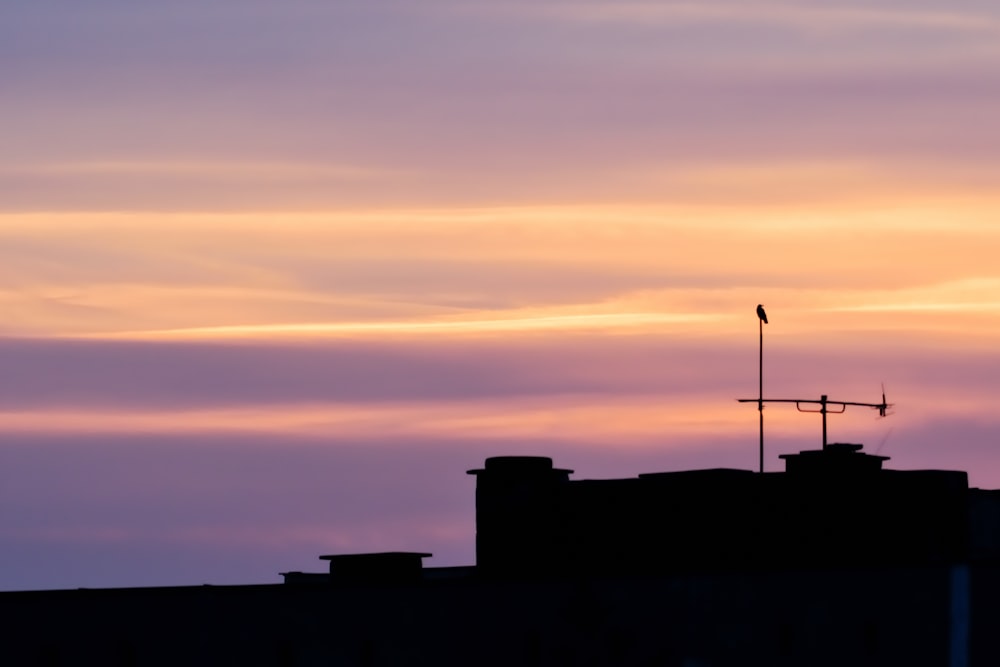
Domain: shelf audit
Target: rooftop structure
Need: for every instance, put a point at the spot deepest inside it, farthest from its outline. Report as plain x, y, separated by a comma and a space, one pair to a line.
837, 560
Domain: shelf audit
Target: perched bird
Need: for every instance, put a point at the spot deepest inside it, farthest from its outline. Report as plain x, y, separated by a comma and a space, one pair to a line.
761, 314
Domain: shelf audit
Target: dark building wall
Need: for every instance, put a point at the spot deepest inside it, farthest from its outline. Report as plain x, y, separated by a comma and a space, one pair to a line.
984, 524
858, 617
834, 508
984, 618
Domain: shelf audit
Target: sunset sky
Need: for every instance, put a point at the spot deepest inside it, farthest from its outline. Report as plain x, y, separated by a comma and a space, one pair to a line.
276, 274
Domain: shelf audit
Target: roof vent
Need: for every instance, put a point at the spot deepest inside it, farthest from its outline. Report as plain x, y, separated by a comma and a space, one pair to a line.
835, 458
384, 567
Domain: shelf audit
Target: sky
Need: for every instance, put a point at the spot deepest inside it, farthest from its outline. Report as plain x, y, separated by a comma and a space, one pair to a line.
276, 274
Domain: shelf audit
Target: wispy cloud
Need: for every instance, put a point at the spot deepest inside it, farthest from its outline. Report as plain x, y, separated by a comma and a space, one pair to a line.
791, 14
554, 323
195, 168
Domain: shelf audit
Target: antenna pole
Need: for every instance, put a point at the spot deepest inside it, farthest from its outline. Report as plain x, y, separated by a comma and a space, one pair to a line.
760, 395
822, 409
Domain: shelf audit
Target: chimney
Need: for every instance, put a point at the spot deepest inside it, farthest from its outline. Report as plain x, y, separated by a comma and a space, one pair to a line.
839, 458
517, 514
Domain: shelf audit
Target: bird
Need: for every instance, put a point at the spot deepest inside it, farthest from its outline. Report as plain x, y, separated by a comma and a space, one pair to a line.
761, 314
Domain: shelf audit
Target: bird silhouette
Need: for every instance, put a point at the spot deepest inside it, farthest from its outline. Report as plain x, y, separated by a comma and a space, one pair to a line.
761, 314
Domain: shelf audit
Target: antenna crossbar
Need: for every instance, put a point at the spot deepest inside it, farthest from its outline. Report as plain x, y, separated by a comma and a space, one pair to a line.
824, 404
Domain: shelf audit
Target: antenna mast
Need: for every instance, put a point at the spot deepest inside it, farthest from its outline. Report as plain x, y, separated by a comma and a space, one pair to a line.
762, 320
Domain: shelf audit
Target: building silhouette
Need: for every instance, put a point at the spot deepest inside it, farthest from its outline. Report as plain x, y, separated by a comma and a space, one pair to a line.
836, 560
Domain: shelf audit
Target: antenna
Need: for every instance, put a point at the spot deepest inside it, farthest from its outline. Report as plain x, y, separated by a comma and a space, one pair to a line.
762, 320
824, 404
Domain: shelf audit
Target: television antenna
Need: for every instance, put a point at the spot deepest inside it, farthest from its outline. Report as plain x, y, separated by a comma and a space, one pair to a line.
826, 406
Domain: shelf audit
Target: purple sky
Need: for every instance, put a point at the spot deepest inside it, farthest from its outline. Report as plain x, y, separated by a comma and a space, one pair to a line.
277, 274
